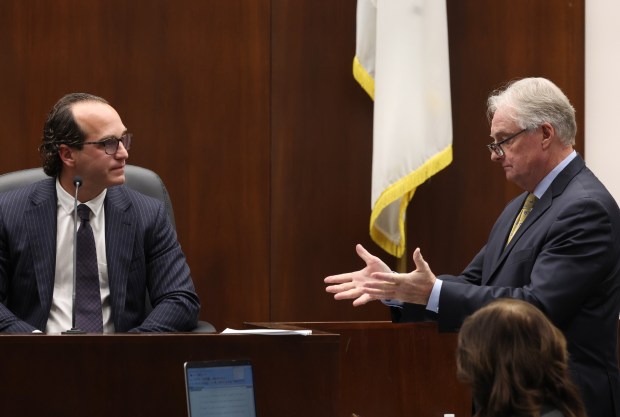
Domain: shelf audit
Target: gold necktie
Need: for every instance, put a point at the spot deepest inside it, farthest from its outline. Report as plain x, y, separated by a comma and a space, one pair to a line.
528, 205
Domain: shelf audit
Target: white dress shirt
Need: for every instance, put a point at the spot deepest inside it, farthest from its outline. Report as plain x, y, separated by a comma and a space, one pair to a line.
60, 318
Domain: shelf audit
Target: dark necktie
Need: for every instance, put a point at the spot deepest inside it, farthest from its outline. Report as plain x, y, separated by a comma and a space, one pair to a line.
88, 316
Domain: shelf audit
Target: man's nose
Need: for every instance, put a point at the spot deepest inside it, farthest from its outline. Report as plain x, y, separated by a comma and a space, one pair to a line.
121, 152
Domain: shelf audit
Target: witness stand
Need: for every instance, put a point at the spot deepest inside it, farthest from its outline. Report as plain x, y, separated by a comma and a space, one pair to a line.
142, 374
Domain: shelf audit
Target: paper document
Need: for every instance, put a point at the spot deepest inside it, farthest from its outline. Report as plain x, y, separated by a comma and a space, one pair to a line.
267, 331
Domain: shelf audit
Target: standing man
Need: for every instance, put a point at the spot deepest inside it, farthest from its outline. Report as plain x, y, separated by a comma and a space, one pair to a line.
556, 246
135, 243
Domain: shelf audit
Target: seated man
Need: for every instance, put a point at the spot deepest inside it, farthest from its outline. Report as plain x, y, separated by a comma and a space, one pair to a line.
125, 246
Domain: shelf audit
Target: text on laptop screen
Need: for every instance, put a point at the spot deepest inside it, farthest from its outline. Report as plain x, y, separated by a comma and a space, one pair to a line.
220, 391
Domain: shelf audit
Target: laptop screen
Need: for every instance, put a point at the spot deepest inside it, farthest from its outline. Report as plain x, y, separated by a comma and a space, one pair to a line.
220, 388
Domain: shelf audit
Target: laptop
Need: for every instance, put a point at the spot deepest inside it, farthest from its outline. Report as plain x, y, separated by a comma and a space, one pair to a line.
223, 388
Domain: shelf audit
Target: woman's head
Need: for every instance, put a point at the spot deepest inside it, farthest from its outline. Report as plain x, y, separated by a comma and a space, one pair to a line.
514, 358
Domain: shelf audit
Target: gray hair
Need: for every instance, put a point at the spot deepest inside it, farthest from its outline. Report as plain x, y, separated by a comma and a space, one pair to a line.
534, 101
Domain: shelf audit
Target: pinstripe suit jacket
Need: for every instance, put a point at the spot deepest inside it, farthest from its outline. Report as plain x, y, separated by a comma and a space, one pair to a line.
142, 253
564, 259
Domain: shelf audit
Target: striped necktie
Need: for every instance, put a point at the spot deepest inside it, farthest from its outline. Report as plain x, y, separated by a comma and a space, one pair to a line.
528, 205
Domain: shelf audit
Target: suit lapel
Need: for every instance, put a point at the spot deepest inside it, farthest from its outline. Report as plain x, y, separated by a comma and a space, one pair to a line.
41, 217
120, 227
496, 245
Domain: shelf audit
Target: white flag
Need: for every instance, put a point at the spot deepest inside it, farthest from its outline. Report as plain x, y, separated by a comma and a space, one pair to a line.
402, 62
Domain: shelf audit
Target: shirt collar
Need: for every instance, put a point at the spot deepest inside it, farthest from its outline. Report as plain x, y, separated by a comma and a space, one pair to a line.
65, 200
546, 182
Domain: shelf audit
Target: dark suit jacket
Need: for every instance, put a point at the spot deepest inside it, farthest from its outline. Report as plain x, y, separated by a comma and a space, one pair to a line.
565, 259
142, 254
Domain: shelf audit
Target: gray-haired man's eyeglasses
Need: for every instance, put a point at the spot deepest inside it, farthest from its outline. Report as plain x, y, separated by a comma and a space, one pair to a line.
496, 146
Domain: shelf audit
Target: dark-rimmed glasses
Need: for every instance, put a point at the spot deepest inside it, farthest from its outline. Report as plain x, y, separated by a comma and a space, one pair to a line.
110, 144
496, 146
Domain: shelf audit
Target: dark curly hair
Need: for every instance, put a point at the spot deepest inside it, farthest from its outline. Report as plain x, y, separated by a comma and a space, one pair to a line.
516, 361
60, 127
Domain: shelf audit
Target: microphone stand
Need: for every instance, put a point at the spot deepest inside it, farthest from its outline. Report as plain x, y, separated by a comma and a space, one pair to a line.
77, 181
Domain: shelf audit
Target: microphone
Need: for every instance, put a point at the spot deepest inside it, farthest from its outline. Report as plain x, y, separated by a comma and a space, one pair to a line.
77, 182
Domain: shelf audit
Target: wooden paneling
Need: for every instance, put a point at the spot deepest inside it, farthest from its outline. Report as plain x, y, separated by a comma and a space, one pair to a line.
321, 158
249, 112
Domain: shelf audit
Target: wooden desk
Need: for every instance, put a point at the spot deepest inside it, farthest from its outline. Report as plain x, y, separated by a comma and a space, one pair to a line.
142, 375
394, 370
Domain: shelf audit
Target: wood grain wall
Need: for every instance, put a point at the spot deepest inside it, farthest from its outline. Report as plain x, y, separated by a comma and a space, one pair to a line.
248, 111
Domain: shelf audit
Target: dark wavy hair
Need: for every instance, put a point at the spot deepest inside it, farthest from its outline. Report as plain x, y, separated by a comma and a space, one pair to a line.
60, 127
516, 361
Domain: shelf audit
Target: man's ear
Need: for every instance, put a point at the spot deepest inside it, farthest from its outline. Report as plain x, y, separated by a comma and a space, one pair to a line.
548, 133
66, 155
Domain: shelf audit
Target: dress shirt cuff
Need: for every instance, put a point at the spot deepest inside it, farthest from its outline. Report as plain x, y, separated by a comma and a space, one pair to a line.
393, 303
433, 300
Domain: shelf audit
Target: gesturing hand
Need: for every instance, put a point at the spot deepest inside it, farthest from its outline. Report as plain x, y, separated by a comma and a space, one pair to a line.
414, 287
351, 284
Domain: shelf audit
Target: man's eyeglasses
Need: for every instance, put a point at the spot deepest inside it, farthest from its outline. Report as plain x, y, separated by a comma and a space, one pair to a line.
110, 144
496, 146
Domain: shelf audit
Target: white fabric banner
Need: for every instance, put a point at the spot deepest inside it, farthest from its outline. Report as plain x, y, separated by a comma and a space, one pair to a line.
402, 61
